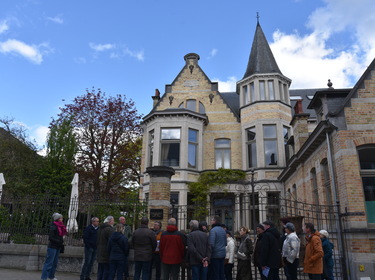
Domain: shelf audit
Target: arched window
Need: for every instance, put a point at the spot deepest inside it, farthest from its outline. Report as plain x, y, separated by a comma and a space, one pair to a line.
326, 181
191, 104
314, 185
222, 153
366, 156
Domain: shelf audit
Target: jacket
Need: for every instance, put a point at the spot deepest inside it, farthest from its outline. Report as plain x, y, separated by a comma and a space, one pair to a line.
327, 249
118, 247
246, 247
55, 240
218, 241
198, 247
90, 235
230, 250
172, 246
158, 237
104, 233
257, 250
291, 247
144, 243
313, 262
270, 254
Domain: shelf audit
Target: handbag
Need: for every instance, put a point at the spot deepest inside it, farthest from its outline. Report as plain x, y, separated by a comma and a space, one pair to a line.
62, 249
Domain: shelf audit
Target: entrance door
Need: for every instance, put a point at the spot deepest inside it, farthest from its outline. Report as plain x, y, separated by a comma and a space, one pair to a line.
222, 206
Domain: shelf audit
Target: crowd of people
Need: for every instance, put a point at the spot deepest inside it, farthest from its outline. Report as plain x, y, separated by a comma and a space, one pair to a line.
209, 254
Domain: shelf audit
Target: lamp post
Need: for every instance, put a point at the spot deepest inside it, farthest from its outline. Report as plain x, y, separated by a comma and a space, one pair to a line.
253, 202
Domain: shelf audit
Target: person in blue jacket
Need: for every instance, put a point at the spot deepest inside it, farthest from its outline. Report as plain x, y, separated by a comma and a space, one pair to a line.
218, 241
327, 259
118, 248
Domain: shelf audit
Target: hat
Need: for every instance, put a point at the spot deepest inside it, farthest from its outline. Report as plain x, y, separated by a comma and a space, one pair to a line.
56, 216
260, 226
290, 226
324, 232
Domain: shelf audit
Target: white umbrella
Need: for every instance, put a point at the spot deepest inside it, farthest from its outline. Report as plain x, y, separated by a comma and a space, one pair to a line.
72, 225
2, 182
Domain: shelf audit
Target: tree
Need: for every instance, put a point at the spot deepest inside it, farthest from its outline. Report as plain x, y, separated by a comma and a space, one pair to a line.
106, 129
58, 171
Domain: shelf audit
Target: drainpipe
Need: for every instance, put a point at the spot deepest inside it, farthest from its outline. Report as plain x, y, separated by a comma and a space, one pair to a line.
343, 258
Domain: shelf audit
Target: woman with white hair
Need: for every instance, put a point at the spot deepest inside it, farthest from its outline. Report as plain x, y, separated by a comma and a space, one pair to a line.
327, 259
57, 230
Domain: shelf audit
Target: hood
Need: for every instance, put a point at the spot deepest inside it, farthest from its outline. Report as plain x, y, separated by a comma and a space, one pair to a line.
116, 236
274, 232
171, 228
105, 225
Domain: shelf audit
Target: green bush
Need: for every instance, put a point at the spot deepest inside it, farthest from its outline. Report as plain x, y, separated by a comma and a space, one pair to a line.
19, 238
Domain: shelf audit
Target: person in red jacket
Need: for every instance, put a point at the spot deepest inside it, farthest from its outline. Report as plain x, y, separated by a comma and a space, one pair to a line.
172, 250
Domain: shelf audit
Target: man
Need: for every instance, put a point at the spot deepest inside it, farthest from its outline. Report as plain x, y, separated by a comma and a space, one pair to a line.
313, 263
128, 234
104, 233
156, 256
90, 234
144, 244
270, 255
172, 250
199, 251
218, 241
290, 252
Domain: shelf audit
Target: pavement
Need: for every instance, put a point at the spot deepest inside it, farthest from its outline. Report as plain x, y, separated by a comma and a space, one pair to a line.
17, 274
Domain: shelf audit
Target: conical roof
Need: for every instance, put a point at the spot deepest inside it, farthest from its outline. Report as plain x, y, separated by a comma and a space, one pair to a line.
261, 59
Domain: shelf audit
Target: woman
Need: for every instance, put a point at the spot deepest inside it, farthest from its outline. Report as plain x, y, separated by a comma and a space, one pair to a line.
244, 256
118, 248
290, 252
258, 249
327, 259
229, 256
57, 231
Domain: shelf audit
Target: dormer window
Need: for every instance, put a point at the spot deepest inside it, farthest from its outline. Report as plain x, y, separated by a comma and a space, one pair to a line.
193, 105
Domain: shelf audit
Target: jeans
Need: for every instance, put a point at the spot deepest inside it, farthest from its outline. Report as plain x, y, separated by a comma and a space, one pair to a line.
216, 269
103, 271
170, 271
90, 255
198, 272
157, 263
290, 269
315, 276
228, 271
116, 267
50, 263
143, 268
273, 274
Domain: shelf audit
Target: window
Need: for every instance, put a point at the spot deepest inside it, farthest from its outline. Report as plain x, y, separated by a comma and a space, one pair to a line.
191, 105
367, 164
252, 92
285, 92
170, 146
270, 144
314, 185
222, 153
286, 132
262, 90
326, 181
246, 97
281, 91
151, 139
251, 147
193, 147
271, 90
202, 110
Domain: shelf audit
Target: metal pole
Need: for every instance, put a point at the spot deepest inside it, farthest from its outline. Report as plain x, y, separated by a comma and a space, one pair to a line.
253, 202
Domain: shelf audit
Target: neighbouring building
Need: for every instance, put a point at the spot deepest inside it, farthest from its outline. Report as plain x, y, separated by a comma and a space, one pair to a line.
313, 146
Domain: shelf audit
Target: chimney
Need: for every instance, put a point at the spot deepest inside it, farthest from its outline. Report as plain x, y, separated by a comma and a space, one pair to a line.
300, 126
156, 97
298, 107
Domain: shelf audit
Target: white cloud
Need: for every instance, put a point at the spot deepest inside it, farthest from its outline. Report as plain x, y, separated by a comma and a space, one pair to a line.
57, 19
31, 52
101, 47
139, 55
228, 85
40, 133
310, 60
3, 26
213, 53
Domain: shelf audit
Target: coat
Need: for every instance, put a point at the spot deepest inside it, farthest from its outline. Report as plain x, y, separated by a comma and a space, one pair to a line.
313, 262
230, 250
257, 250
55, 240
144, 243
270, 254
172, 246
291, 247
104, 233
198, 247
90, 235
218, 241
118, 247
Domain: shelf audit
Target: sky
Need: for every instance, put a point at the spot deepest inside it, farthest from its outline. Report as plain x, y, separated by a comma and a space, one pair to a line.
52, 51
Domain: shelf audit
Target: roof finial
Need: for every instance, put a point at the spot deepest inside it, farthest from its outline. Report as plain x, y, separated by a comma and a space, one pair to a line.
329, 84
258, 17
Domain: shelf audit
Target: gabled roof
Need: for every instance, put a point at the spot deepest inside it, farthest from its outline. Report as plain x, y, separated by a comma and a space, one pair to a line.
261, 59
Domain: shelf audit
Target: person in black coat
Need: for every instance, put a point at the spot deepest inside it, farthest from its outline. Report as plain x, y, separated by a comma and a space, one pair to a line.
271, 254
258, 250
118, 249
89, 238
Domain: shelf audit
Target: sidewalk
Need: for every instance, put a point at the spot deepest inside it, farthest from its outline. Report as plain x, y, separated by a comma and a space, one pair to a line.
16, 274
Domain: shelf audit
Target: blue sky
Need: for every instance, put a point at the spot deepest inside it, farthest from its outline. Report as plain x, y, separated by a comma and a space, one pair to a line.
51, 51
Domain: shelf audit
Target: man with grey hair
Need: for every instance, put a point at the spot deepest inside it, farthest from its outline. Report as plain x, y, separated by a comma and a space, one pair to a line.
290, 252
172, 250
199, 251
89, 238
104, 233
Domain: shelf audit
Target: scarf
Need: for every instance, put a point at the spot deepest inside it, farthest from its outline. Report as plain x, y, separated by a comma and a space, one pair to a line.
61, 228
